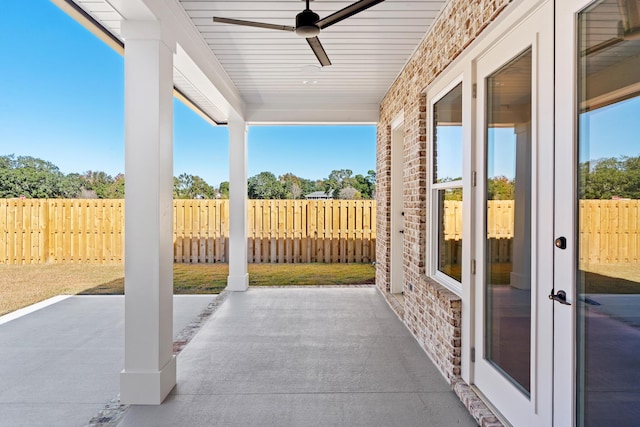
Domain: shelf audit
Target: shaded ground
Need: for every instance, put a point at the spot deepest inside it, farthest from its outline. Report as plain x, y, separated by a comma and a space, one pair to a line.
621, 278
23, 285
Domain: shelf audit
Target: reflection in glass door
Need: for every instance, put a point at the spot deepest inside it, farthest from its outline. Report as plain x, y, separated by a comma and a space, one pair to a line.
608, 207
508, 221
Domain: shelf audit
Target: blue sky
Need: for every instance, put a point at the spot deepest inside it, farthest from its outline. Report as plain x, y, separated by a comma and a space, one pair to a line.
62, 101
612, 131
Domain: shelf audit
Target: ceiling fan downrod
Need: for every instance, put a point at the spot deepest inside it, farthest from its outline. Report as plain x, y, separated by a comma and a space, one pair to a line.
306, 23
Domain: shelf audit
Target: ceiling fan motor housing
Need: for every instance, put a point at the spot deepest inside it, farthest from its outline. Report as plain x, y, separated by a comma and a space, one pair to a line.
306, 24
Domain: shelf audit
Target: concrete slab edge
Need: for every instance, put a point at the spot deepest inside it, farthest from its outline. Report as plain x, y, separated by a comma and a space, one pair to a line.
32, 308
114, 411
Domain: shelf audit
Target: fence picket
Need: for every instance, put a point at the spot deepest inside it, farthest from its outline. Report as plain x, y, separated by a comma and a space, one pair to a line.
4, 232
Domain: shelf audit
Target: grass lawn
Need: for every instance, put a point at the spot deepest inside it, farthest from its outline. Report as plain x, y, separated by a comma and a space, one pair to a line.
621, 278
22, 285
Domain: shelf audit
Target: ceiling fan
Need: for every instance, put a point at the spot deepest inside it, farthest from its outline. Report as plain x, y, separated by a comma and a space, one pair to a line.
309, 24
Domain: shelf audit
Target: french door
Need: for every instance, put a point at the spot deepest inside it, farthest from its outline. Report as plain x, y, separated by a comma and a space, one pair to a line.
513, 241
597, 192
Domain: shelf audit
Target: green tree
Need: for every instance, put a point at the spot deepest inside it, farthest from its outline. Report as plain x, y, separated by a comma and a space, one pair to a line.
295, 187
349, 193
500, 188
265, 185
610, 177
337, 180
291, 185
309, 186
99, 182
371, 179
116, 190
366, 185
224, 189
34, 178
71, 185
187, 186
630, 187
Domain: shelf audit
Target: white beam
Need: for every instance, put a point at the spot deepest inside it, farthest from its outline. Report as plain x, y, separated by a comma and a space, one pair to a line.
295, 113
238, 279
225, 95
149, 368
193, 60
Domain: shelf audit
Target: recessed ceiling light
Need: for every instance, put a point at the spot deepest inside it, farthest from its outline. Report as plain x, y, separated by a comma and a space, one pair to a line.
310, 69
309, 82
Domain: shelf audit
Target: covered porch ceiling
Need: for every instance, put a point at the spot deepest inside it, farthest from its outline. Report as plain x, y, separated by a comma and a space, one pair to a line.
273, 76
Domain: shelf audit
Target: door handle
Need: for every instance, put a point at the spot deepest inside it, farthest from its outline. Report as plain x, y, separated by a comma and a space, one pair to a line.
560, 296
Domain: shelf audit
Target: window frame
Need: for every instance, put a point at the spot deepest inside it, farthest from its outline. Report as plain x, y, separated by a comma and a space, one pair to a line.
432, 250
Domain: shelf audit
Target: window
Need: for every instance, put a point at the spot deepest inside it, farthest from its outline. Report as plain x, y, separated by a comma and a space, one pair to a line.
446, 187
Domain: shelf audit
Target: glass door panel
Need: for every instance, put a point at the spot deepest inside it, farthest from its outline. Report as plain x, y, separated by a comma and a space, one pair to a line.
513, 230
508, 221
608, 214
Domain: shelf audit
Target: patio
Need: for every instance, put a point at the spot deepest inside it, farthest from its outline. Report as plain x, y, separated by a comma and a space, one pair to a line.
60, 364
297, 357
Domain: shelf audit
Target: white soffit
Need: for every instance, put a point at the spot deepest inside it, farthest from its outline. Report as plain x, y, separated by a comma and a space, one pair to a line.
276, 73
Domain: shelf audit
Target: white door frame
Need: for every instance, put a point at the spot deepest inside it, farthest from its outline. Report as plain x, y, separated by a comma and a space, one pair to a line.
565, 208
397, 206
533, 30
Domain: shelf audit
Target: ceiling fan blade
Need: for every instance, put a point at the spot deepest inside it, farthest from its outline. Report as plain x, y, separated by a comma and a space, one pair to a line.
317, 48
348, 11
253, 24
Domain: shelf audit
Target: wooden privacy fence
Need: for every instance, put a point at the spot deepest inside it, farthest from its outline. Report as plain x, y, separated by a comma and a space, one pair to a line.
499, 230
37, 231
200, 231
283, 231
312, 231
609, 230
499, 219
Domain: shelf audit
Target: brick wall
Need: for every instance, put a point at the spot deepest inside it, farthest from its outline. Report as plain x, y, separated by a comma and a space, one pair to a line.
431, 312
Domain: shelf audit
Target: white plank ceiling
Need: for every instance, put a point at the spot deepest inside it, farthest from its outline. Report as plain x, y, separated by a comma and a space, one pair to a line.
367, 50
270, 67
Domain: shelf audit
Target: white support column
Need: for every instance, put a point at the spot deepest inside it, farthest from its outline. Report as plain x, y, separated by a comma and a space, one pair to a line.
238, 279
149, 367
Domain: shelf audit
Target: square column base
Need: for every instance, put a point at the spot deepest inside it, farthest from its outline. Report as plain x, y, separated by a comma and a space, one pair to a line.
238, 283
147, 388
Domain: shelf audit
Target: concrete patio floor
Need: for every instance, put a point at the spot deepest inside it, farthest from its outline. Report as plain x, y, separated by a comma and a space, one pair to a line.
61, 364
266, 357
305, 357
